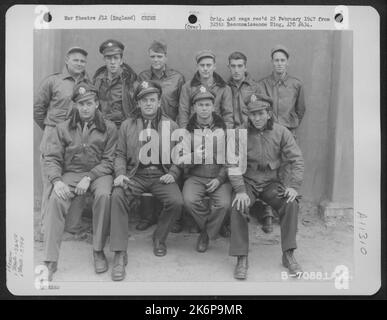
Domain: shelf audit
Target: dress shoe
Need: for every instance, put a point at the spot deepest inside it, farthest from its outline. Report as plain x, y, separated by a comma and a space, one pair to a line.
288, 261
159, 248
203, 240
100, 262
267, 225
241, 267
143, 225
119, 264
177, 227
225, 231
52, 266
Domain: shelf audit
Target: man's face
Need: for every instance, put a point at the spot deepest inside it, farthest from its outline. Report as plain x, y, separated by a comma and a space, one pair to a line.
204, 108
75, 62
238, 69
280, 62
86, 108
158, 59
149, 104
259, 118
113, 62
206, 68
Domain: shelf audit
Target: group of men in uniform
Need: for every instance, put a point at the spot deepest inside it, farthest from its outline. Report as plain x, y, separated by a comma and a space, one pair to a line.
93, 142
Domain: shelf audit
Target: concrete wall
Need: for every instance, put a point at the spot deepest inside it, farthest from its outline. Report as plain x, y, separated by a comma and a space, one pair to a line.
321, 59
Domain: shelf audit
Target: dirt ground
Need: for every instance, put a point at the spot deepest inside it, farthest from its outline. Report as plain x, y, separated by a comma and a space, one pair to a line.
320, 249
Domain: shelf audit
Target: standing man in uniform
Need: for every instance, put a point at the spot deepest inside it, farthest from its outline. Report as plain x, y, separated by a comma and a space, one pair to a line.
170, 80
207, 77
116, 82
53, 105
285, 90
268, 144
206, 179
287, 95
136, 175
80, 158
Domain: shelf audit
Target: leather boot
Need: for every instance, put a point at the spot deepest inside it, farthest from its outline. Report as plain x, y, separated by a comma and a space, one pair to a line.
159, 248
52, 267
145, 224
289, 261
241, 267
203, 240
100, 262
267, 225
119, 264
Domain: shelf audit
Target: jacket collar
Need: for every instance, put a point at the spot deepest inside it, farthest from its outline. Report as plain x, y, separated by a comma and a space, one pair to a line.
166, 72
217, 122
218, 80
248, 80
66, 75
279, 80
127, 74
98, 120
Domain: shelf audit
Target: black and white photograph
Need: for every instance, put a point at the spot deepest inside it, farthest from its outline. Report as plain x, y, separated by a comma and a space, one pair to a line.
214, 156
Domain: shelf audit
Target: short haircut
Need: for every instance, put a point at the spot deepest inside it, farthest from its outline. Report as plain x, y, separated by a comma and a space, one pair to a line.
237, 56
159, 47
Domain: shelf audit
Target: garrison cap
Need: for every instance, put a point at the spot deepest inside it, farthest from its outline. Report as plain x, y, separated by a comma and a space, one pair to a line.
147, 87
111, 47
202, 93
259, 102
159, 47
77, 49
84, 91
280, 47
204, 54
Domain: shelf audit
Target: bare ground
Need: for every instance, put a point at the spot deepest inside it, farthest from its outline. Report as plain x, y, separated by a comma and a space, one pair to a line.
320, 249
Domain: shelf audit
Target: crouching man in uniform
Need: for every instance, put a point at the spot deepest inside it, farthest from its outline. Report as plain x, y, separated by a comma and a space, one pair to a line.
206, 179
268, 144
135, 175
79, 159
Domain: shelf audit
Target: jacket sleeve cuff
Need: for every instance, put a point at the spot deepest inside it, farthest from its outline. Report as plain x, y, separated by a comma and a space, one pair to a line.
92, 175
222, 177
56, 179
240, 189
295, 186
119, 172
174, 171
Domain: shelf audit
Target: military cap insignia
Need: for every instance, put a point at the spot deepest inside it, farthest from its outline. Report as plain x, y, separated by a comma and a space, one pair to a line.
145, 84
82, 90
109, 44
203, 89
253, 98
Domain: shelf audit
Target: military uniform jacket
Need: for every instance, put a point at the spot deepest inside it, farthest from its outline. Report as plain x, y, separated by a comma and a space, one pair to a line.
127, 158
288, 99
240, 95
204, 170
116, 98
52, 103
171, 83
74, 149
266, 150
223, 100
